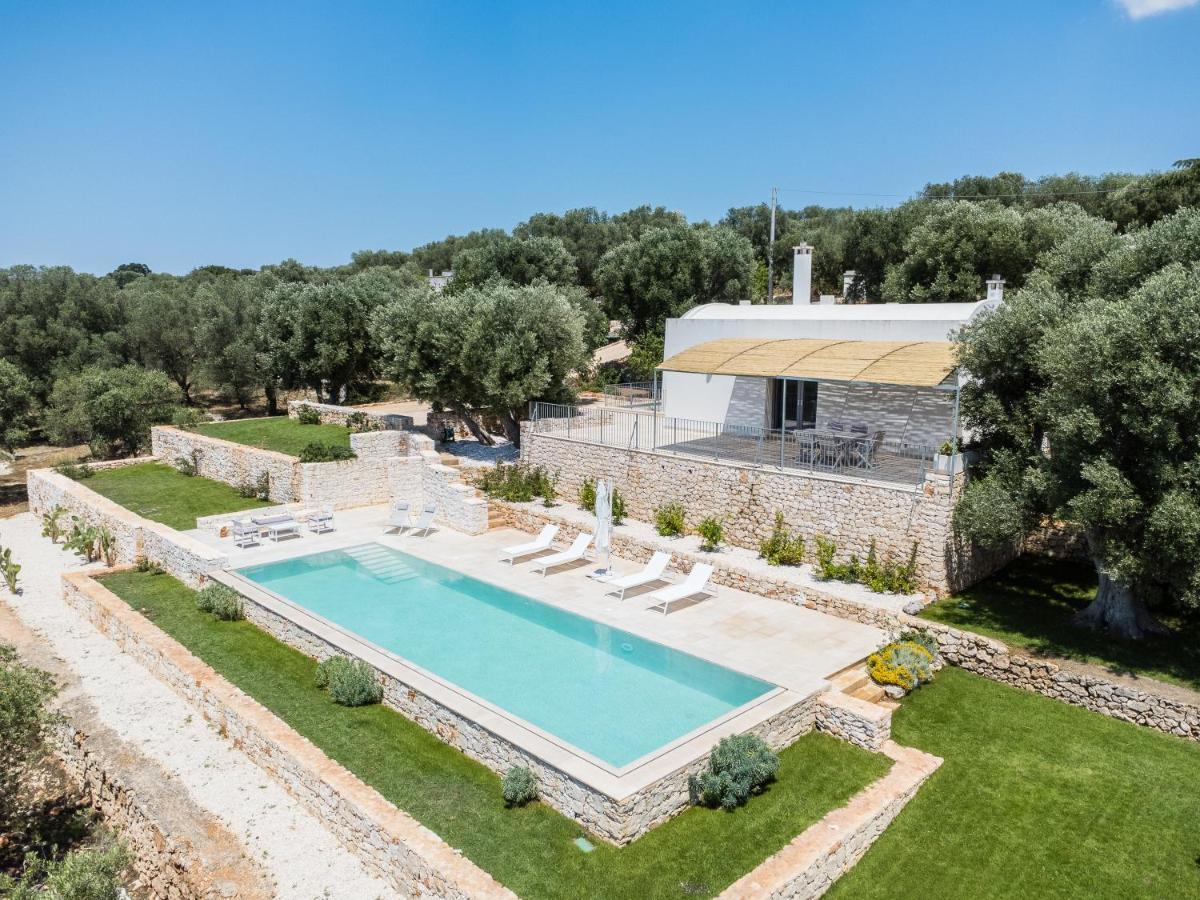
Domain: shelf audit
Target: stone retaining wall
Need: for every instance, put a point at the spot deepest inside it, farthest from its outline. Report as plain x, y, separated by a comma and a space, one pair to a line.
183, 556
856, 721
810, 864
393, 845
226, 461
995, 660
420, 478
331, 414
617, 820
746, 498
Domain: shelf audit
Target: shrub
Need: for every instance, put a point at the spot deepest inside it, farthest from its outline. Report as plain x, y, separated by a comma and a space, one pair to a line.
587, 494
359, 421
27, 724
669, 520
515, 482
548, 490
350, 682
146, 567
247, 489
262, 486
188, 465
9, 569
106, 546
740, 765
83, 539
618, 507
905, 664
221, 602
85, 874
782, 548
188, 417
316, 451
888, 576
52, 523
308, 416
711, 532
923, 639
519, 786
75, 472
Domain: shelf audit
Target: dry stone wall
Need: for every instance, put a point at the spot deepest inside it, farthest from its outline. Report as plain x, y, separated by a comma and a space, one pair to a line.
391, 843
183, 556
745, 498
225, 461
617, 820
331, 414
856, 721
420, 478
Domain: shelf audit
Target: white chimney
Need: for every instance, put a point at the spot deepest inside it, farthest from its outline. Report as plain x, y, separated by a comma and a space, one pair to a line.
802, 274
848, 278
995, 289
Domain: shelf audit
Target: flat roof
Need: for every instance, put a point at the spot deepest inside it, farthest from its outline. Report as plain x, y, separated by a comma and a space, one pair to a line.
948, 312
911, 363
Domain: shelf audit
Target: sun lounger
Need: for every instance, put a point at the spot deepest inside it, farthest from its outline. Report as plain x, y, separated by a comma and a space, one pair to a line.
538, 544
654, 571
425, 522
400, 517
321, 521
577, 551
696, 584
245, 534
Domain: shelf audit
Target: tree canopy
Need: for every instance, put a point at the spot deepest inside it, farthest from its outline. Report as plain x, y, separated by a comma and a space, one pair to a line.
110, 410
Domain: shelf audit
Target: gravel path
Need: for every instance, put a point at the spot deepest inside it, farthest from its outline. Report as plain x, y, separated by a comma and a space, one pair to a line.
303, 859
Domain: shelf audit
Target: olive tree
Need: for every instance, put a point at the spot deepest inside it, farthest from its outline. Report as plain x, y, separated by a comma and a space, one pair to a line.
110, 410
485, 350
1086, 408
519, 260
16, 406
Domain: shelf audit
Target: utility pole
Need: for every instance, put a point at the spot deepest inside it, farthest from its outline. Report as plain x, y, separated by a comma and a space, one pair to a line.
771, 250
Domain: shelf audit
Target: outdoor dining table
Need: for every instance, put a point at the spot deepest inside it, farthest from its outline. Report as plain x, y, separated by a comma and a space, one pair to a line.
832, 449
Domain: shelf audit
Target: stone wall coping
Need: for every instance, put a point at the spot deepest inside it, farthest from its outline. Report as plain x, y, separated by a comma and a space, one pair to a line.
815, 858
863, 709
389, 821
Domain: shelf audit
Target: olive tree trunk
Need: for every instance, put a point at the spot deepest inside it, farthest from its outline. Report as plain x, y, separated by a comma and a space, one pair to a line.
1116, 610
473, 426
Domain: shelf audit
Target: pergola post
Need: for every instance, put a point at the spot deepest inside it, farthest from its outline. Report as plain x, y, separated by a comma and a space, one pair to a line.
954, 431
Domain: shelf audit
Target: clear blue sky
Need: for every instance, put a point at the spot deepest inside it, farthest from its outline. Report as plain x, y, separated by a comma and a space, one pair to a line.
241, 133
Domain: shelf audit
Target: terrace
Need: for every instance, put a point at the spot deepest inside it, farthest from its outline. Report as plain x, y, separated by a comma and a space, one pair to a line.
278, 433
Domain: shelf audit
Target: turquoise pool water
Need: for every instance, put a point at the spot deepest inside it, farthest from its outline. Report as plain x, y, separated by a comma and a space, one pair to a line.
612, 694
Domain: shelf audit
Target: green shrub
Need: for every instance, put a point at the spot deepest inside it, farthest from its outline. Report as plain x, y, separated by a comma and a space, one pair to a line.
905, 664
519, 786
143, 565
221, 602
740, 765
75, 472
359, 421
52, 523
618, 507
9, 569
887, 577
711, 532
188, 465
87, 874
350, 682
84, 539
922, 638
515, 482
189, 417
670, 520
308, 416
782, 548
316, 451
587, 494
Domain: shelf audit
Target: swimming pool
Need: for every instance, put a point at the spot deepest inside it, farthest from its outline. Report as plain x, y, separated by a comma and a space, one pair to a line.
609, 693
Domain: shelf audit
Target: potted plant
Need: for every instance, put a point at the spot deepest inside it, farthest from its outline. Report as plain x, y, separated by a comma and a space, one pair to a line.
944, 456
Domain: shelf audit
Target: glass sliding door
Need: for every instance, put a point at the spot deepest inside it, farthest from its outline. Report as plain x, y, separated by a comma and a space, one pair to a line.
793, 403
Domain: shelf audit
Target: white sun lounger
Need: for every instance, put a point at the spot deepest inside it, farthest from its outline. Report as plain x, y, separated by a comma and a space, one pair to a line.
577, 551
655, 571
541, 542
696, 584
400, 516
425, 522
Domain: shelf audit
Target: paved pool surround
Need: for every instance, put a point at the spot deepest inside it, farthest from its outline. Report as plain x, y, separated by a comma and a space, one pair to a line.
618, 805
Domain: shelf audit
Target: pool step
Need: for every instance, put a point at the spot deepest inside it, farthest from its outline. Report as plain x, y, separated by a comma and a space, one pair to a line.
382, 565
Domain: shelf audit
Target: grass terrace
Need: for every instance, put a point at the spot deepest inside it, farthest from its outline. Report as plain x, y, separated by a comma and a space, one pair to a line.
164, 494
529, 849
278, 433
1035, 799
1029, 605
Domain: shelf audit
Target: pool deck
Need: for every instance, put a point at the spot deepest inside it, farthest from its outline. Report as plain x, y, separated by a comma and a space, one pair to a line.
788, 645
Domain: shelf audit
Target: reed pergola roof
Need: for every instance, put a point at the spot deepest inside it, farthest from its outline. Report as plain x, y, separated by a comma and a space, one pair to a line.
912, 363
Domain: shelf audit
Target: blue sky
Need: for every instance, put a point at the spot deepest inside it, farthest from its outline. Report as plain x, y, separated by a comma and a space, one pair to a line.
237, 133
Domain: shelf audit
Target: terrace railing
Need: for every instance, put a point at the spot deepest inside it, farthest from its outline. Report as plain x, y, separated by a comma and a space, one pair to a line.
632, 395
790, 450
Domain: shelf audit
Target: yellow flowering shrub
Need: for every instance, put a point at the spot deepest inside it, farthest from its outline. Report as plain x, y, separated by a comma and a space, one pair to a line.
904, 663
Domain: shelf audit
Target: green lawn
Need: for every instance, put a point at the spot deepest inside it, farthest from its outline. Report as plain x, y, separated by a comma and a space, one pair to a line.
1035, 799
530, 850
161, 493
276, 433
1029, 604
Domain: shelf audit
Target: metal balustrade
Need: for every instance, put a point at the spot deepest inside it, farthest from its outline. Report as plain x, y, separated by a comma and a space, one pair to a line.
851, 455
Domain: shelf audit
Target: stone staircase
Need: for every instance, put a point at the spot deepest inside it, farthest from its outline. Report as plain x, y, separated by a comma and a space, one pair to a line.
853, 681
